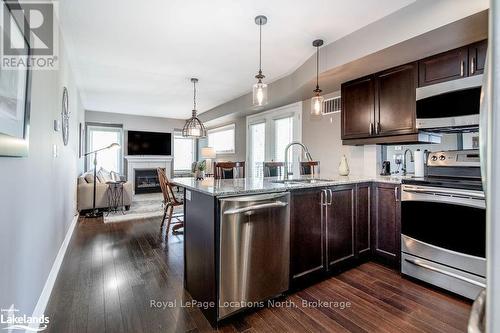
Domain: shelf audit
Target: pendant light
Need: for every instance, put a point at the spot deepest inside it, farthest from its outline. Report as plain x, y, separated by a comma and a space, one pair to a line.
194, 128
260, 96
317, 100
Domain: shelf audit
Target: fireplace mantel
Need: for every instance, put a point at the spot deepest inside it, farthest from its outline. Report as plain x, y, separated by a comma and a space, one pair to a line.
138, 162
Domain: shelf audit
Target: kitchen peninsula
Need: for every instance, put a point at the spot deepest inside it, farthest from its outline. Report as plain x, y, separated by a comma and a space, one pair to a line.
248, 240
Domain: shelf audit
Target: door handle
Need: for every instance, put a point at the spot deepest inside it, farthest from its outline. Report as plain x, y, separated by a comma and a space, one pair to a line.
462, 66
472, 65
276, 204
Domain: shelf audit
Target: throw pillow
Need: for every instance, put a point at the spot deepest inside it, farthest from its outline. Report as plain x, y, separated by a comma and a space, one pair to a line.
89, 177
104, 175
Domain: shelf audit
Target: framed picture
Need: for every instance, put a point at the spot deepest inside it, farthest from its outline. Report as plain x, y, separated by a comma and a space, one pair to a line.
15, 85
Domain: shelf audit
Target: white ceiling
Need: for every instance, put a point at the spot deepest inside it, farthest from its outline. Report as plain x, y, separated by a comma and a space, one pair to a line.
136, 57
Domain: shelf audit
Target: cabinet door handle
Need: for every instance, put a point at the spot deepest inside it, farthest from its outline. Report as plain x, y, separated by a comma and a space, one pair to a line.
331, 197
377, 128
472, 65
396, 196
371, 128
462, 65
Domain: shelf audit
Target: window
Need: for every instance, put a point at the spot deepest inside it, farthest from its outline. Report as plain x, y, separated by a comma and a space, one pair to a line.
258, 148
183, 153
101, 136
222, 139
268, 134
283, 135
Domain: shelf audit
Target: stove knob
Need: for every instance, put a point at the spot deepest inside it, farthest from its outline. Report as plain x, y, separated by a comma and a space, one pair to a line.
442, 157
434, 158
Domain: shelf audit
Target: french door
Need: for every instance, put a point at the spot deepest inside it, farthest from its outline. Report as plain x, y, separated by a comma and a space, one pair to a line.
268, 134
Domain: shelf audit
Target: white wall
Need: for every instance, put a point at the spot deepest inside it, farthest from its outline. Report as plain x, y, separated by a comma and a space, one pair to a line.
321, 134
38, 193
135, 123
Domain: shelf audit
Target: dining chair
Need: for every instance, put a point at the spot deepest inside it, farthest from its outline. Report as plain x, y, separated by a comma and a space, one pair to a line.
229, 170
309, 168
273, 169
170, 202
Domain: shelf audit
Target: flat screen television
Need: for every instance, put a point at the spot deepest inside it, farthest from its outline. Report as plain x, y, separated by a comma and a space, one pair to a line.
149, 143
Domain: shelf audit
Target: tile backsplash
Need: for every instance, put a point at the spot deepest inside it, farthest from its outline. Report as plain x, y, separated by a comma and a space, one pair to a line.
449, 142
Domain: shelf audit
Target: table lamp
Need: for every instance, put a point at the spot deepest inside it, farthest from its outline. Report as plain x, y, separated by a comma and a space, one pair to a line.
208, 153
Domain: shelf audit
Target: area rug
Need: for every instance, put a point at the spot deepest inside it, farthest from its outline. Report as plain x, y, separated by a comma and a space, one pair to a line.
143, 206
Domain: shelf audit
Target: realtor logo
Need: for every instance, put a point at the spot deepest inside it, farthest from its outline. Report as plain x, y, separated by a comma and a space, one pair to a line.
29, 34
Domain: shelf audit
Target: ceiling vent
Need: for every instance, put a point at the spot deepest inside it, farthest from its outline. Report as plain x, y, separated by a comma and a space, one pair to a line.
332, 105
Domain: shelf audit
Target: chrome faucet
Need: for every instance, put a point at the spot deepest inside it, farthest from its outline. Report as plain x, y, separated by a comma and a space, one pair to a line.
308, 155
405, 159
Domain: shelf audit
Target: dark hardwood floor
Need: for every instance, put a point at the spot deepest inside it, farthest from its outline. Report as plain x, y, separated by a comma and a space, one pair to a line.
111, 272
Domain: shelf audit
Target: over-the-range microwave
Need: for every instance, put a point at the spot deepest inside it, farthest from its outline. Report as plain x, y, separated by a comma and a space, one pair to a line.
451, 106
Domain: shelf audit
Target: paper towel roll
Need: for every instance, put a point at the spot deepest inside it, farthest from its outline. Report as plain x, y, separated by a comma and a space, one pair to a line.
419, 163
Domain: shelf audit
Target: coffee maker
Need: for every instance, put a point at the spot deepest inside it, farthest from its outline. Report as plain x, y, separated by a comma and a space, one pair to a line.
386, 168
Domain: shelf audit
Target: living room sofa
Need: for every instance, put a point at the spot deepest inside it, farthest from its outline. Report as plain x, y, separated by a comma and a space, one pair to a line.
85, 192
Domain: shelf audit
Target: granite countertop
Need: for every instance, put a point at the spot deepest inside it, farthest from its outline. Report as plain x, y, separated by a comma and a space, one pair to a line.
243, 186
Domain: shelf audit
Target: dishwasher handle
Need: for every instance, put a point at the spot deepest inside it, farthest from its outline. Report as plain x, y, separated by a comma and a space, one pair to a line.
276, 204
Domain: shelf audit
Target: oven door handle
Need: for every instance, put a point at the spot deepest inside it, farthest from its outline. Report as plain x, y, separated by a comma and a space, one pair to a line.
451, 193
442, 271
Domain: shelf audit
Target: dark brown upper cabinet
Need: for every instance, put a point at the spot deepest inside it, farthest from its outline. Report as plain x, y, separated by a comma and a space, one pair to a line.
477, 57
451, 65
380, 105
358, 108
395, 95
442, 67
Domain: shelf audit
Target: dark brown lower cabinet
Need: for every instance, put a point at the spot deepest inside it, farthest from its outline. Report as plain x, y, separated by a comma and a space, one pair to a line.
363, 219
322, 231
306, 234
340, 225
386, 226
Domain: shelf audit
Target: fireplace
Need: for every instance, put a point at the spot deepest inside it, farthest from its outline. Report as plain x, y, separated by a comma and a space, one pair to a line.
146, 181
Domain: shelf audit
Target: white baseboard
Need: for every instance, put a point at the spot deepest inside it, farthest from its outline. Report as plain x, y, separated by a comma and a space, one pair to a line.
51, 279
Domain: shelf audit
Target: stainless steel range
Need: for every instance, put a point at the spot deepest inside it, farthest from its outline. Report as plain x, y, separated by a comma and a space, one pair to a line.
443, 224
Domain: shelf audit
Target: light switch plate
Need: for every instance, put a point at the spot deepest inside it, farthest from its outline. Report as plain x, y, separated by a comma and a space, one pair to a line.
188, 195
55, 152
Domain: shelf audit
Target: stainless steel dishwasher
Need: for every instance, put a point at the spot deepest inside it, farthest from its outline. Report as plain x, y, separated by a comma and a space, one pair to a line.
254, 250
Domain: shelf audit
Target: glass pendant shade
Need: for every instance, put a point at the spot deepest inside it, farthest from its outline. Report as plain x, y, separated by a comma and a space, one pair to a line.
317, 100
317, 105
260, 95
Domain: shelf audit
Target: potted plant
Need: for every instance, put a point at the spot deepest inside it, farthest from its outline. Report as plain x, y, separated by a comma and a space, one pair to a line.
200, 170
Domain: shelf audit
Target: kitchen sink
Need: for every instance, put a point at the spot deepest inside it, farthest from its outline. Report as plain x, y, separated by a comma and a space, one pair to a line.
300, 181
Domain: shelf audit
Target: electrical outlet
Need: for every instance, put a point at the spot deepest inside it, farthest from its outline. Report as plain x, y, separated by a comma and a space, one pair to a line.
57, 125
55, 151
398, 159
398, 148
